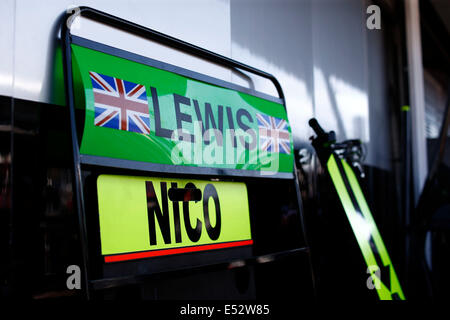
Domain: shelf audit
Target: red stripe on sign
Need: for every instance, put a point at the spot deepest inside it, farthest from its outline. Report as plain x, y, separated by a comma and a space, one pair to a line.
166, 252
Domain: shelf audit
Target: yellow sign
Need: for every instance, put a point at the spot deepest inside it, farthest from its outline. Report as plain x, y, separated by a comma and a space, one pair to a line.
142, 217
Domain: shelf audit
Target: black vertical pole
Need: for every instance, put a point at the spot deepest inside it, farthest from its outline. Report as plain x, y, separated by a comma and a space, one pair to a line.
77, 180
149, 34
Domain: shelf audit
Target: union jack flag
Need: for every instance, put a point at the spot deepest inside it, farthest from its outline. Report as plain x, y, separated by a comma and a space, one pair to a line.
120, 104
273, 134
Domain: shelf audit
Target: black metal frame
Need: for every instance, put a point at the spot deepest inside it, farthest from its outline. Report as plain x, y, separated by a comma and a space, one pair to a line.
147, 166
117, 23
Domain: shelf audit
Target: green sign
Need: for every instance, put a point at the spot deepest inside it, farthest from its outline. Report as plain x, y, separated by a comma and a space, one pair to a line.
142, 113
141, 217
375, 254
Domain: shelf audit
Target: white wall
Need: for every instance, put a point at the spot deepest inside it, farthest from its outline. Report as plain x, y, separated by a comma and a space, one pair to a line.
276, 36
329, 65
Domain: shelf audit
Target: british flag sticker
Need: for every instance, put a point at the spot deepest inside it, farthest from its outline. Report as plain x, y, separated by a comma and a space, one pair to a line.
273, 134
120, 104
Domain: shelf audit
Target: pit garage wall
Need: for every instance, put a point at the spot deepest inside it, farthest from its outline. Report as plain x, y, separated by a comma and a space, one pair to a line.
329, 64
27, 57
331, 67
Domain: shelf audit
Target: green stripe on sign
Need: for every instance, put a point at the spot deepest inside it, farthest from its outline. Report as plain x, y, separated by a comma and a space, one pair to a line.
363, 226
394, 283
